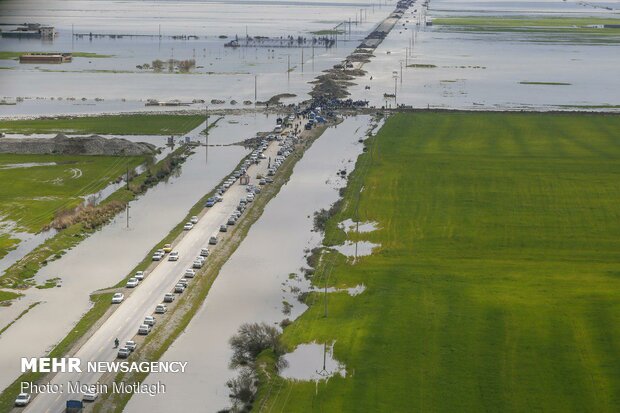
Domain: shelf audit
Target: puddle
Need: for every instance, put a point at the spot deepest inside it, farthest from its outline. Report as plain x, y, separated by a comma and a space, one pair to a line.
26, 165
353, 291
356, 249
351, 226
312, 362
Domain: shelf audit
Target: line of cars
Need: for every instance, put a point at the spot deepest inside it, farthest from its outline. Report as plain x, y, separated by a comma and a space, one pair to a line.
145, 328
149, 322
286, 147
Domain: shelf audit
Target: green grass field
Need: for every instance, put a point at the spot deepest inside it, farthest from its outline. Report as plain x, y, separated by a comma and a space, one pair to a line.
542, 25
497, 284
523, 21
132, 124
36, 193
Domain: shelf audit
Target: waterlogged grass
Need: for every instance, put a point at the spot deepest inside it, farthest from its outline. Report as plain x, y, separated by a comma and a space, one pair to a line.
581, 28
327, 32
133, 124
6, 296
422, 66
7, 243
497, 283
8, 55
551, 22
31, 196
20, 273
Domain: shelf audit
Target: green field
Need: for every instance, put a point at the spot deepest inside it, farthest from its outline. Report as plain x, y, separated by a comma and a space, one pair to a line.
550, 25
132, 124
36, 193
522, 21
497, 284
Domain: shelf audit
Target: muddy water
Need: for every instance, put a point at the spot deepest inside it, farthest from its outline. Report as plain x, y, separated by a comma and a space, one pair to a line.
253, 284
474, 70
312, 362
220, 73
108, 255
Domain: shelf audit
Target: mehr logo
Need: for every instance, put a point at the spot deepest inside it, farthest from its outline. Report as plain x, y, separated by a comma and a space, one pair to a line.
51, 365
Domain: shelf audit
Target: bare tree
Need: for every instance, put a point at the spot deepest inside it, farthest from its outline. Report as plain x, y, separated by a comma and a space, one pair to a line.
251, 340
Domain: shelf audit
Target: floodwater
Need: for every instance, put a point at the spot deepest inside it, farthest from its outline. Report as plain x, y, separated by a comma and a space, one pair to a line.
29, 241
351, 226
355, 249
255, 281
220, 73
26, 165
108, 255
475, 70
312, 362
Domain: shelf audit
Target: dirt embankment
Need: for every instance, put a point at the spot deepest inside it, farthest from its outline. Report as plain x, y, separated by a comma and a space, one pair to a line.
79, 145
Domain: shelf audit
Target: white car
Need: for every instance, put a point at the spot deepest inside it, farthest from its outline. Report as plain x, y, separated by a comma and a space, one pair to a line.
144, 329
169, 297
189, 273
188, 226
132, 283
174, 256
213, 240
131, 345
197, 264
118, 298
90, 396
157, 256
123, 353
22, 399
161, 309
139, 275
204, 252
149, 320
194, 220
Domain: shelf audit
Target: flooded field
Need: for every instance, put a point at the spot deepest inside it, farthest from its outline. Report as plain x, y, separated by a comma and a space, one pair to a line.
108, 255
116, 81
452, 67
254, 283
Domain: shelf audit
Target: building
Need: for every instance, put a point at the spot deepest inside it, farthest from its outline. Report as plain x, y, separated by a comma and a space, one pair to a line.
31, 31
45, 58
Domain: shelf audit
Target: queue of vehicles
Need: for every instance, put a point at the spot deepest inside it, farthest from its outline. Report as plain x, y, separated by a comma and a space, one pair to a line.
149, 322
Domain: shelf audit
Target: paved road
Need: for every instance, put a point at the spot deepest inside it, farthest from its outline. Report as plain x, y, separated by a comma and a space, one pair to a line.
124, 322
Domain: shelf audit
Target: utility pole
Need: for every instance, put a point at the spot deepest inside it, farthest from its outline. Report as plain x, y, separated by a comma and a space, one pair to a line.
288, 70
255, 88
207, 125
127, 178
206, 134
127, 213
401, 72
302, 59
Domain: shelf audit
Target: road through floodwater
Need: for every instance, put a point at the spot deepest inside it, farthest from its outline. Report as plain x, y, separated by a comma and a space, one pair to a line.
108, 255
254, 282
